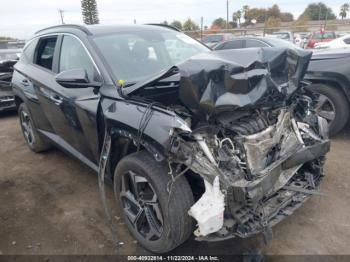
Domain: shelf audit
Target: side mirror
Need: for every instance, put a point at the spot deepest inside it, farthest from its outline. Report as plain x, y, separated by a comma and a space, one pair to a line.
75, 78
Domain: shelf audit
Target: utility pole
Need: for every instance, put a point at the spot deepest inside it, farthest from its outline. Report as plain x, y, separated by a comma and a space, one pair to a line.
319, 12
61, 15
227, 11
325, 22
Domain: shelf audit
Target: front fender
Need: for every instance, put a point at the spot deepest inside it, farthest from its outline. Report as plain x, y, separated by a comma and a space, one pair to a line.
145, 124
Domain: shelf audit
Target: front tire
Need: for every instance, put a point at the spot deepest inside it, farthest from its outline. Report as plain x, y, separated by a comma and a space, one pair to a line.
157, 222
34, 140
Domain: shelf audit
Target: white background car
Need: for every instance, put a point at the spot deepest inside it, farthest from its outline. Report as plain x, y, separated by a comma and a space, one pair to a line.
341, 42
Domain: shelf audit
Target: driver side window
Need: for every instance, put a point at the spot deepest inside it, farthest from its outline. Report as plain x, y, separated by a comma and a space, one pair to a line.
73, 56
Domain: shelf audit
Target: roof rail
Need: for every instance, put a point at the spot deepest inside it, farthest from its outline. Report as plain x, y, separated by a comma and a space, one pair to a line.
167, 26
80, 27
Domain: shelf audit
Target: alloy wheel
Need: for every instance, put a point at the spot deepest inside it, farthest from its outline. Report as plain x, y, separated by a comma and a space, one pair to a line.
27, 127
141, 206
325, 108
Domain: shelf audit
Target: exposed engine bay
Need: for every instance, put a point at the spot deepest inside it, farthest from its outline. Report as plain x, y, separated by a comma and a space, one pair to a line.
244, 124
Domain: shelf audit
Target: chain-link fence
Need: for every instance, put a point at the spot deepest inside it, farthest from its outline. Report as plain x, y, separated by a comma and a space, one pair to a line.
339, 26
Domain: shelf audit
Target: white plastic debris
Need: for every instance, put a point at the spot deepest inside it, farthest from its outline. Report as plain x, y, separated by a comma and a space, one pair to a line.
209, 209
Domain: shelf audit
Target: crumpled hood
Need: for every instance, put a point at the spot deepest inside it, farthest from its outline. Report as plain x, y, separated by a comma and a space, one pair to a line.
239, 78
219, 80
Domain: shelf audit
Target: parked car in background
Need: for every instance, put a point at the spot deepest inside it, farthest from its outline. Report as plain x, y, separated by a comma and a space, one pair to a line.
328, 73
214, 39
318, 37
285, 35
206, 142
340, 42
254, 42
8, 57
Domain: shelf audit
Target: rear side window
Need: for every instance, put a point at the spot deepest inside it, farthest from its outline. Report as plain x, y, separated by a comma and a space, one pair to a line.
45, 52
236, 44
254, 43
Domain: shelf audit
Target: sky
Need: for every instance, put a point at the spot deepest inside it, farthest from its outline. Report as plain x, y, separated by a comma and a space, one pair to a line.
21, 19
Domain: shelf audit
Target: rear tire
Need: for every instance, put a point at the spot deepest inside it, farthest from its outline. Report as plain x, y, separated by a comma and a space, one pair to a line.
34, 140
171, 223
340, 105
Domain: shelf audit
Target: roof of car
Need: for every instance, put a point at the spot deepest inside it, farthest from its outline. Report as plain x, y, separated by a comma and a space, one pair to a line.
102, 29
219, 34
251, 37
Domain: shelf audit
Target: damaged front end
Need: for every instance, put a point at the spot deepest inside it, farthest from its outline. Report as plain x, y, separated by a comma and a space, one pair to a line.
266, 170
244, 124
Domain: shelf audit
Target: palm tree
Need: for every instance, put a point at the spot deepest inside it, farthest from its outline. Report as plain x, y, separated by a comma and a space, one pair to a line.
245, 9
344, 9
237, 17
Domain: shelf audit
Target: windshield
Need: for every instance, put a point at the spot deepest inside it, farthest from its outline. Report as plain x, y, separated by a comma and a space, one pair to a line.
136, 56
212, 38
326, 35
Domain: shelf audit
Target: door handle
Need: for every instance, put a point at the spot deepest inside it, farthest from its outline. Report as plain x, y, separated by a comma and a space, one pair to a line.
56, 99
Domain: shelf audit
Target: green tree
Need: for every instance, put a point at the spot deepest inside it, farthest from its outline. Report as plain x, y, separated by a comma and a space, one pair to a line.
258, 14
286, 17
190, 25
261, 14
219, 23
274, 11
318, 11
90, 12
177, 24
272, 24
344, 9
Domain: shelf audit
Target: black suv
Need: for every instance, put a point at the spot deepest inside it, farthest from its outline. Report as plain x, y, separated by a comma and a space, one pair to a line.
229, 140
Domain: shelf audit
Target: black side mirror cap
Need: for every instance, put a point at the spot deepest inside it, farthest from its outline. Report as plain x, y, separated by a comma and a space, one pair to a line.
75, 78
